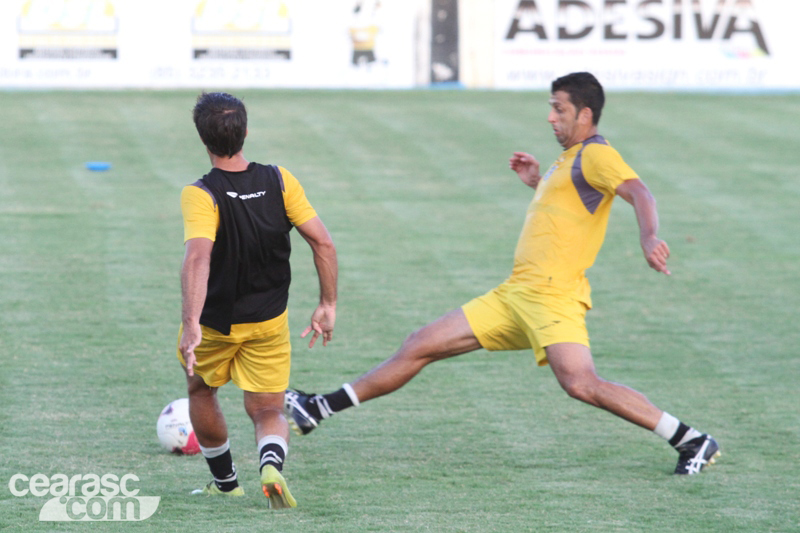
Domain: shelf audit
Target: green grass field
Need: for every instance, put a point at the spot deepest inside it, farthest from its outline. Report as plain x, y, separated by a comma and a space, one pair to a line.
416, 191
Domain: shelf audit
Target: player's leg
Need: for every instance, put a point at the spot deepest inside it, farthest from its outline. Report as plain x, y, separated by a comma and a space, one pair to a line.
261, 370
211, 430
208, 421
212, 371
265, 409
272, 436
574, 369
448, 336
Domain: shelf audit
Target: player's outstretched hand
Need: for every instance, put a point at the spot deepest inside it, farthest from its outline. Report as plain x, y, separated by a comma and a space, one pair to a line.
190, 339
656, 252
527, 168
322, 321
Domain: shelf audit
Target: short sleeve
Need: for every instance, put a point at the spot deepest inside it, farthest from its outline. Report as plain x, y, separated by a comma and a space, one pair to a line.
605, 169
200, 214
298, 208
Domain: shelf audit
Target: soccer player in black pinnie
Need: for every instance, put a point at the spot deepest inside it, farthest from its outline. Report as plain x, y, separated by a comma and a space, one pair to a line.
235, 281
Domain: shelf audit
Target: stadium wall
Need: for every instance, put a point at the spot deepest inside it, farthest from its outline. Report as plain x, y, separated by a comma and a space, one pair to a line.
504, 44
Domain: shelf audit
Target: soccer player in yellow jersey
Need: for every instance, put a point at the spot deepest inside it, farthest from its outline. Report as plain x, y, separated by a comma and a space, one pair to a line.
235, 281
542, 305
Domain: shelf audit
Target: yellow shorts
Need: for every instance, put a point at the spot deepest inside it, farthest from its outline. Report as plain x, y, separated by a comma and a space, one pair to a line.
516, 317
256, 357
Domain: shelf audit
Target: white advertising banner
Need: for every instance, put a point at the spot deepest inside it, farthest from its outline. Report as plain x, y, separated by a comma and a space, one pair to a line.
201, 43
645, 44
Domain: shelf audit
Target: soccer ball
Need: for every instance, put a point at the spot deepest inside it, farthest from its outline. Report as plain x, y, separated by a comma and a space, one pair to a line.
174, 429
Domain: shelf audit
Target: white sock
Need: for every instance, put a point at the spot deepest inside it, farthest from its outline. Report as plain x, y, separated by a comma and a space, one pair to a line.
667, 426
673, 431
352, 394
269, 439
210, 453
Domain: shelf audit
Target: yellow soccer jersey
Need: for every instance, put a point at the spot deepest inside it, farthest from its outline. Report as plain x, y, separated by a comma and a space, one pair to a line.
566, 221
201, 214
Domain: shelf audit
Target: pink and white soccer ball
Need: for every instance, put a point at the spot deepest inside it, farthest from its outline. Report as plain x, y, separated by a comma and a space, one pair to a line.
174, 429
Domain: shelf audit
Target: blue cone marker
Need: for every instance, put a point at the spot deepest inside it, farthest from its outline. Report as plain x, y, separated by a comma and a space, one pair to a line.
98, 166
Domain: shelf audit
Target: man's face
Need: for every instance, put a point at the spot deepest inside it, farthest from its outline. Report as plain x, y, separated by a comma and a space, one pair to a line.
564, 119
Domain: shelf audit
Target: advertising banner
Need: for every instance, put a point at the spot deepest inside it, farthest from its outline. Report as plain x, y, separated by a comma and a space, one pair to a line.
644, 44
199, 43
505, 44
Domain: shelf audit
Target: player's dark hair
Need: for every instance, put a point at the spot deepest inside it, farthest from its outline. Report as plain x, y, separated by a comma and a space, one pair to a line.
584, 91
221, 121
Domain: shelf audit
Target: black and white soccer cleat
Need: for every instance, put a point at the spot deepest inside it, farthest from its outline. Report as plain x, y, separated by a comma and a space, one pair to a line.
295, 404
696, 454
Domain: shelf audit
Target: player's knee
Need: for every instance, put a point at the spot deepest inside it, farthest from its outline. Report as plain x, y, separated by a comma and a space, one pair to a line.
257, 413
413, 344
418, 347
259, 405
581, 388
196, 387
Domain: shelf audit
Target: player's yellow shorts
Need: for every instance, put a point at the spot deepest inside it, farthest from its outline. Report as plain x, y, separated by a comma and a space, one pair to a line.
256, 357
517, 317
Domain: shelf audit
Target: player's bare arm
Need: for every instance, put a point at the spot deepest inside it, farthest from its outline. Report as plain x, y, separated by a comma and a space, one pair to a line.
194, 285
527, 168
656, 251
324, 316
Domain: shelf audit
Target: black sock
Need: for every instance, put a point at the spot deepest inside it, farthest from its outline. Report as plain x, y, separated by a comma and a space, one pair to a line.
224, 471
272, 452
324, 405
338, 400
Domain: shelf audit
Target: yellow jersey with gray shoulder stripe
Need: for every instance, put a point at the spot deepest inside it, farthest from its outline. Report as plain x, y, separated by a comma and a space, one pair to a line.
566, 221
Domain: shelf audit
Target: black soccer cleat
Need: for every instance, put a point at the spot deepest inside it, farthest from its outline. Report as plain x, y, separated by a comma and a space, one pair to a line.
696, 454
295, 405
